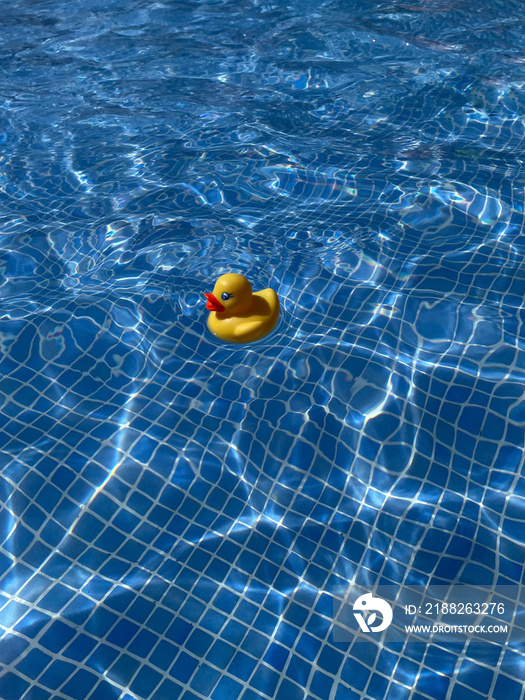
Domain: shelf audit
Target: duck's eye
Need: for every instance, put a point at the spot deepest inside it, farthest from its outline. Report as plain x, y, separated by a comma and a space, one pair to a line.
225, 296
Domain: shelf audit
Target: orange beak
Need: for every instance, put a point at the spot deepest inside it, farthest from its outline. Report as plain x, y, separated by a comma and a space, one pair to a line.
213, 304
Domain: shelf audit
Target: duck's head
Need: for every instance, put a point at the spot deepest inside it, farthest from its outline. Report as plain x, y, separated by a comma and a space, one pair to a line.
232, 294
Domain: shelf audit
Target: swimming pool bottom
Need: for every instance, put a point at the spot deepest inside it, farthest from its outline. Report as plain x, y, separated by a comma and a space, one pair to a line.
186, 519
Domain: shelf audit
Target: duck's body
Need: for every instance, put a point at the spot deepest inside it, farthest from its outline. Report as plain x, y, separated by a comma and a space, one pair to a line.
239, 315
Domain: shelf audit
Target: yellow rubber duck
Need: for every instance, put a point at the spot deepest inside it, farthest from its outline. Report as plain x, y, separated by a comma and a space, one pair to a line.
239, 315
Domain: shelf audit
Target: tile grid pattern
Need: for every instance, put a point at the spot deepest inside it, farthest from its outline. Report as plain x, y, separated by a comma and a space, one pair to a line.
198, 530
175, 512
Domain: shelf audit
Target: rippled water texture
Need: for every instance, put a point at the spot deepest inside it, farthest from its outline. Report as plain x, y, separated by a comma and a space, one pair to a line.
177, 511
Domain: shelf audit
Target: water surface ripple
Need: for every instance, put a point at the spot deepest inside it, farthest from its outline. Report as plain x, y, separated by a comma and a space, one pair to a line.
182, 517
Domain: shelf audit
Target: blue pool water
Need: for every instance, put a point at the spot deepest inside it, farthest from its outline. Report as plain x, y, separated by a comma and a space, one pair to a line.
183, 518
